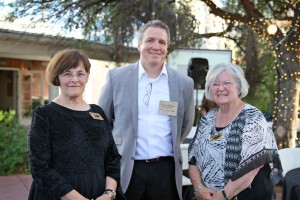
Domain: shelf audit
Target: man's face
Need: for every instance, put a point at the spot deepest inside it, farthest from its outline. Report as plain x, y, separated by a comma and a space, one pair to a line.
153, 47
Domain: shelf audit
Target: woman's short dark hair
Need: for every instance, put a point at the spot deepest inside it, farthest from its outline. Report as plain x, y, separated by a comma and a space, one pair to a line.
63, 61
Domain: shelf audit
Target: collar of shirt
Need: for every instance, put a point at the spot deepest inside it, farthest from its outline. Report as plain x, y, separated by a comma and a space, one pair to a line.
143, 72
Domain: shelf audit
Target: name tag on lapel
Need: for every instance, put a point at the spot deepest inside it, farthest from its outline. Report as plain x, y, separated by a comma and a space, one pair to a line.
168, 108
96, 116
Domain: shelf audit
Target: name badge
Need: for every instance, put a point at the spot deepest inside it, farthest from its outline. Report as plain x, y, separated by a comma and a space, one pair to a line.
168, 108
96, 116
215, 137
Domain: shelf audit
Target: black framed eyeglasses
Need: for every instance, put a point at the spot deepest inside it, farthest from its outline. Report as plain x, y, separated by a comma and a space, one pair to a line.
148, 94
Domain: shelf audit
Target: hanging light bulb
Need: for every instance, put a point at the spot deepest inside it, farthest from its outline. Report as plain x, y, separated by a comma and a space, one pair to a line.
272, 29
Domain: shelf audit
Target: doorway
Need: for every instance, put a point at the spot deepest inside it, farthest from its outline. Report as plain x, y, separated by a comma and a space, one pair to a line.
22, 91
8, 89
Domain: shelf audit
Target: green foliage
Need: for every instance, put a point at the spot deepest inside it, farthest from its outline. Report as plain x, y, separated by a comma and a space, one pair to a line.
263, 96
6, 117
13, 145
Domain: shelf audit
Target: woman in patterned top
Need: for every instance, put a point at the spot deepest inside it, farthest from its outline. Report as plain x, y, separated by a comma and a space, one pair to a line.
233, 154
71, 149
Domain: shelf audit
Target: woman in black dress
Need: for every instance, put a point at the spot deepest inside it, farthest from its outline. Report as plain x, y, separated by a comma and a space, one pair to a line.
71, 149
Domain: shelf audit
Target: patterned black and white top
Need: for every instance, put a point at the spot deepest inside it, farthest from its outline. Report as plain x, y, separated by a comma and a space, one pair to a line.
243, 145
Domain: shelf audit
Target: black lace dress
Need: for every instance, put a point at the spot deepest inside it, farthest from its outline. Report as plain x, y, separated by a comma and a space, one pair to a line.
70, 150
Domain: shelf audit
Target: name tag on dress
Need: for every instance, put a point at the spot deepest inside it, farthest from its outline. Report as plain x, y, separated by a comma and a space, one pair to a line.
96, 116
215, 137
168, 108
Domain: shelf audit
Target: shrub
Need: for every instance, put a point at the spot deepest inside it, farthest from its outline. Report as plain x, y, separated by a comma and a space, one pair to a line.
13, 145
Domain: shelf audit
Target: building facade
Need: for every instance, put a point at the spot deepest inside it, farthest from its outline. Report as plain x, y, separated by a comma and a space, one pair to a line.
23, 61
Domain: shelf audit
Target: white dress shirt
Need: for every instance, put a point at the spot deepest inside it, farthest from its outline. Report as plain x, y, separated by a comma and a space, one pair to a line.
154, 129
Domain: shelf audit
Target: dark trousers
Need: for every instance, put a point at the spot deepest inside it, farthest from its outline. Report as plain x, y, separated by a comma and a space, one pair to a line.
153, 181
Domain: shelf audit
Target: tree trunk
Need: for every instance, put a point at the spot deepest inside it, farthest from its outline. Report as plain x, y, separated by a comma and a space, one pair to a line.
252, 71
285, 115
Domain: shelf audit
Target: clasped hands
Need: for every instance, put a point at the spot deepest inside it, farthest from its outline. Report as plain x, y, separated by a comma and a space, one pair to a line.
103, 197
209, 194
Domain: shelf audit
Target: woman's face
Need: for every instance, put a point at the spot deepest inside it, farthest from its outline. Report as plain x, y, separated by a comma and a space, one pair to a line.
73, 81
224, 89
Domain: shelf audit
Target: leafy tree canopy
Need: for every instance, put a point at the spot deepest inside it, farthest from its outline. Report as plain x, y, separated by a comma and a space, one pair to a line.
110, 21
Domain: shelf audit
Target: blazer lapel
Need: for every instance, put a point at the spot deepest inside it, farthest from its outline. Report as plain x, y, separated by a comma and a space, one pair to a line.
173, 88
133, 94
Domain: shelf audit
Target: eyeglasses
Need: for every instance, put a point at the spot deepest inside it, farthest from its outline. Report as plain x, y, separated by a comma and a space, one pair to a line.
69, 76
225, 84
148, 94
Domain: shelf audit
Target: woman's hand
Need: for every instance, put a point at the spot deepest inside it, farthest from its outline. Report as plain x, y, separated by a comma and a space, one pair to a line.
103, 197
218, 196
73, 195
205, 194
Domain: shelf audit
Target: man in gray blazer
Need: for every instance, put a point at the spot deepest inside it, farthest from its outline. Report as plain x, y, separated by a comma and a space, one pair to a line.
151, 108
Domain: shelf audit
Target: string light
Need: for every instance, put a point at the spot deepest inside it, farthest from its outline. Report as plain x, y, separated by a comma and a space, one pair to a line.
272, 29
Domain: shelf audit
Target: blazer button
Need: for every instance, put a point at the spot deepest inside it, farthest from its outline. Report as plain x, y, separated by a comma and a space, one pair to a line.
132, 158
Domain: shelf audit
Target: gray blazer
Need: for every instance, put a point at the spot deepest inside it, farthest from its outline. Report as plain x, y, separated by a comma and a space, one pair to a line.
119, 100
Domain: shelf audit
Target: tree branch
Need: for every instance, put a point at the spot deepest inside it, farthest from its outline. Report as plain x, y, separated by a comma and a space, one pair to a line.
225, 15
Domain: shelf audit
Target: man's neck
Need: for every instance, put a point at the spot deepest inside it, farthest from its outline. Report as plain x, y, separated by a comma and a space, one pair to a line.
153, 71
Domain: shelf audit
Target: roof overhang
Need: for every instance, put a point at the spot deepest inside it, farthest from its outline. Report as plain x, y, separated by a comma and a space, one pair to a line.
24, 45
